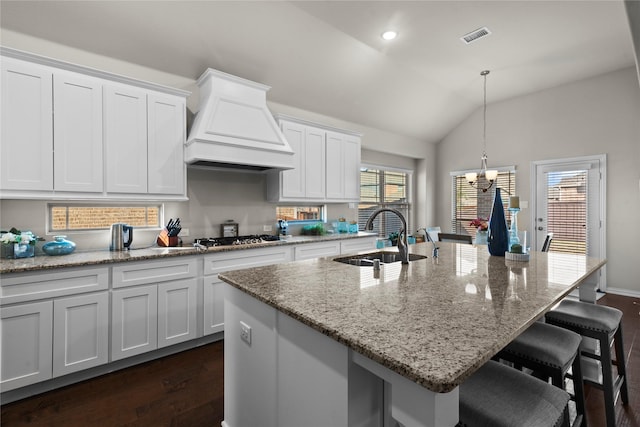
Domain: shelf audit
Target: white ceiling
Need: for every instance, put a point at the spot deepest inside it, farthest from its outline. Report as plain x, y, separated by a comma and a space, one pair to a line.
328, 57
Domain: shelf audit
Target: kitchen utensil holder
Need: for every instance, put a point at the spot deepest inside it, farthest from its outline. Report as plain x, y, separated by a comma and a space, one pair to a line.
166, 241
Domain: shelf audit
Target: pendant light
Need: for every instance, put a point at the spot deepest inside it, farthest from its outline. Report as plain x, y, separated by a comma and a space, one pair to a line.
489, 175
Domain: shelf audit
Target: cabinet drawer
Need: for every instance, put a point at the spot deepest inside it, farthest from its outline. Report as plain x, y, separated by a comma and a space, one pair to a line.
46, 284
316, 250
236, 260
356, 245
153, 272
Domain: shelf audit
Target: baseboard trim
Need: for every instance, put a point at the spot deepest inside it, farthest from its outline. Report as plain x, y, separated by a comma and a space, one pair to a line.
623, 292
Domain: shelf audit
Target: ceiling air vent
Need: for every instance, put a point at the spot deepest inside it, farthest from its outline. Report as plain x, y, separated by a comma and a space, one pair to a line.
475, 35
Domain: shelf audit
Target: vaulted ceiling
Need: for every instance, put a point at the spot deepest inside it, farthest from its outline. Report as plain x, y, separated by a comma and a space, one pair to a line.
328, 56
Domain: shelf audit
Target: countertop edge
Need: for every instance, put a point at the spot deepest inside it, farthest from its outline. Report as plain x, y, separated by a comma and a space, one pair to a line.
80, 259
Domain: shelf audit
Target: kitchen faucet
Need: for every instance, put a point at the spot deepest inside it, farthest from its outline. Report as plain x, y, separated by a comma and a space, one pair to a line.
403, 245
429, 239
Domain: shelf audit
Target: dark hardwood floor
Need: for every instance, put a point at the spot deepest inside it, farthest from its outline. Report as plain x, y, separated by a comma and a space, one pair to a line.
186, 390
182, 390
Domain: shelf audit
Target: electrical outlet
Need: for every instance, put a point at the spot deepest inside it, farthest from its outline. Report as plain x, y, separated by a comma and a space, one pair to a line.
245, 333
184, 232
267, 228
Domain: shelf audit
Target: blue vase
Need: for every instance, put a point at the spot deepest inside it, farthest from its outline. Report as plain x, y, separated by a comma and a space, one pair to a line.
59, 246
498, 239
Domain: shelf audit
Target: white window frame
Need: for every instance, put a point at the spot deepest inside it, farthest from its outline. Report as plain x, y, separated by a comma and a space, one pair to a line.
51, 205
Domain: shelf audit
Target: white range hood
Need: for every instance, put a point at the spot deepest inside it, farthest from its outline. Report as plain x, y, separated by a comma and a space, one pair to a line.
234, 128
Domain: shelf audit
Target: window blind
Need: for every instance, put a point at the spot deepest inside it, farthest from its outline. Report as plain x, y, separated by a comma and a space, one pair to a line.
381, 188
567, 211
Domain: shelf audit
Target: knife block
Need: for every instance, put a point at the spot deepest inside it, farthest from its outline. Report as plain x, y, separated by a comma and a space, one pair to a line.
164, 240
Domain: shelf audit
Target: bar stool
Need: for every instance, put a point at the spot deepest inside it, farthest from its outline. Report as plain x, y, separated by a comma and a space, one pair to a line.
604, 325
499, 396
549, 351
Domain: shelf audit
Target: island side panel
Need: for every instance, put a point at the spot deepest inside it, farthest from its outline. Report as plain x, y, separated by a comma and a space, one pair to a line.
312, 377
249, 369
289, 375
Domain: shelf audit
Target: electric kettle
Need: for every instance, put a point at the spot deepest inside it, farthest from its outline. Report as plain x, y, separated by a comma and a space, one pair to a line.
121, 237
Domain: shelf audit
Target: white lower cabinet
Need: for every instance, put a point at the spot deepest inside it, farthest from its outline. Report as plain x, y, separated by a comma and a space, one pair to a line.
229, 261
317, 250
48, 339
26, 344
213, 305
80, 332
134, 320
350, 246
145, 318
153, 305
177, 312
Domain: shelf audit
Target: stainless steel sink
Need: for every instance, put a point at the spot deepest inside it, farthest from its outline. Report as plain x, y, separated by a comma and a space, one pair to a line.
366, 260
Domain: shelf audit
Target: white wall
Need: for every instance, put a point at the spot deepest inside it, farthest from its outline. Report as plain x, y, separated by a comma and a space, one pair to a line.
600, 115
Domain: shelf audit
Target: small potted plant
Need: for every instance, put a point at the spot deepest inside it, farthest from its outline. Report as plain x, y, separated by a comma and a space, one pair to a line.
481, 226
18, 244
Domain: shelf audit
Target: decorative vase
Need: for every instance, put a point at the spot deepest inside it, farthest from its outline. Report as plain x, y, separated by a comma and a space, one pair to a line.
481, 237
59, 246
498, 238
513, 231
23, 250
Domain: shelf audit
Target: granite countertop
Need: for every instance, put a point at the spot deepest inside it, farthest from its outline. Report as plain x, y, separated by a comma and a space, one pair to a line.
80, 259
433, 321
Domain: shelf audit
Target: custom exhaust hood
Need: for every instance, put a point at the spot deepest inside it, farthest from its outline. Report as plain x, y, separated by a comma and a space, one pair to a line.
233, 128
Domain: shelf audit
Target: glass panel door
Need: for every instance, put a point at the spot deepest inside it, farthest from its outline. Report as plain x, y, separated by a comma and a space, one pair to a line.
569, 202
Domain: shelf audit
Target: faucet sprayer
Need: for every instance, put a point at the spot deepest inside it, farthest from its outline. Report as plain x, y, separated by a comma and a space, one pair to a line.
429, 239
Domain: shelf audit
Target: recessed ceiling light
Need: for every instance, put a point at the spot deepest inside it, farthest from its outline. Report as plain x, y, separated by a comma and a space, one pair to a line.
389, 35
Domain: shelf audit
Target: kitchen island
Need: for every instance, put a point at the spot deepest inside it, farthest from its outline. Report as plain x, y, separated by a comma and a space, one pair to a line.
321, 342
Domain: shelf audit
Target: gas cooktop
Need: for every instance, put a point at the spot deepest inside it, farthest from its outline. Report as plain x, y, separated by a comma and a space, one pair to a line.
251, 239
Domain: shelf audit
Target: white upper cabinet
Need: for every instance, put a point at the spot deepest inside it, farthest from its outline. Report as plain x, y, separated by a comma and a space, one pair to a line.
77, 133
293, 180
66, 127
327, 165
314, 163
144, 134
125, 136
26, 147
343, 167
167, 132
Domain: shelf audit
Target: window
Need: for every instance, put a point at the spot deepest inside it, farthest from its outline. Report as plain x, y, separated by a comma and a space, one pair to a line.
300, 213
384, 188
85, 217
470, 202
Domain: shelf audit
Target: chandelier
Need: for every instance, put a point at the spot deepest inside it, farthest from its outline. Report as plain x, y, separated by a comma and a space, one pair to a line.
489, 175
